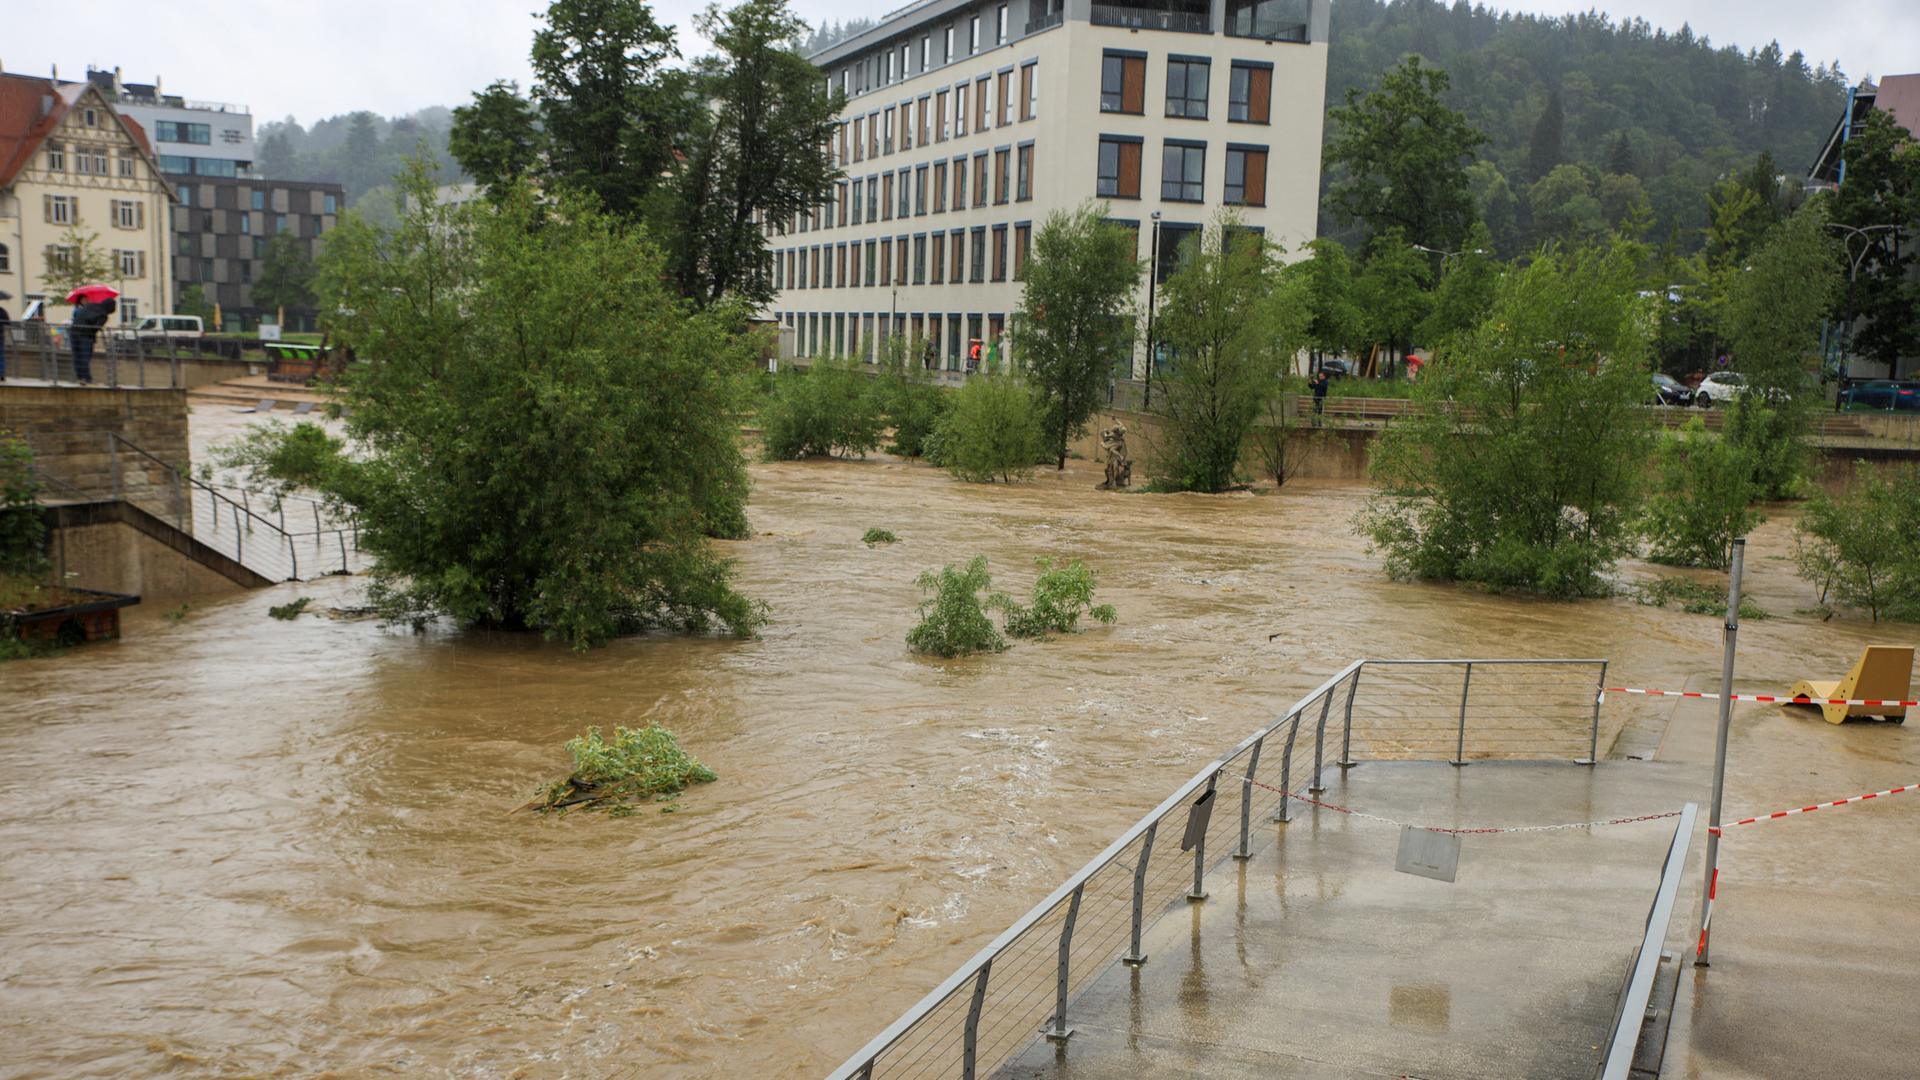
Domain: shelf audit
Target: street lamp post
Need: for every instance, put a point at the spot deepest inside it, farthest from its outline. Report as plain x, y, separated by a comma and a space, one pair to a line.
1153, 272
1853, 267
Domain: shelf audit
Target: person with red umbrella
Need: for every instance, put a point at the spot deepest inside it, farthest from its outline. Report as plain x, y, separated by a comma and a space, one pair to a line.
92, 305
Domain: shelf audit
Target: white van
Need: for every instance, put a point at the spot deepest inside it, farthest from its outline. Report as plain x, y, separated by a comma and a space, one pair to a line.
170, 326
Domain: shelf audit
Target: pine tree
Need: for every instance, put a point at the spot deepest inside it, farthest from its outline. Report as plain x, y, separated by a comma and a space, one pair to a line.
1543, 150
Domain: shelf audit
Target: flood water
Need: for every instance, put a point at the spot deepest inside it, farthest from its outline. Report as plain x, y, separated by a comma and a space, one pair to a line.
238, 846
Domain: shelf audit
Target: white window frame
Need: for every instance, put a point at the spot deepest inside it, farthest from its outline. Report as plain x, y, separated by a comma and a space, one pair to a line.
57, 157
1000, 25
973, 35
62, 210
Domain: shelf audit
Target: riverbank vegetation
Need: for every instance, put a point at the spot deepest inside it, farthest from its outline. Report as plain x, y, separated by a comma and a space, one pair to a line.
955, 619
830, 409
1860, 548
637, 765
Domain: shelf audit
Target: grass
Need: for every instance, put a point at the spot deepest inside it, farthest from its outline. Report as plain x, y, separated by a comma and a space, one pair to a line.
878, 536
291, 610
1694, 598
636, 765
1369, 388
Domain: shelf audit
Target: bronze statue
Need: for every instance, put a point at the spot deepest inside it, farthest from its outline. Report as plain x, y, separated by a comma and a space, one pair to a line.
1119, 466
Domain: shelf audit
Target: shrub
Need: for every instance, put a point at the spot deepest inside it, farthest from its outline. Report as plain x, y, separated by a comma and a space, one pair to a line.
638, 763
291, 610
915, 406
1694, 597
993, 432
1061, 594
832, 409
953, 621
878, 536
22, 531
1768, 435
1862, 547
280, 460
1702, 490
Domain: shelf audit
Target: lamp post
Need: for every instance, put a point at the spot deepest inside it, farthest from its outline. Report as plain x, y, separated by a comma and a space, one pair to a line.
1153, 273
1853, 266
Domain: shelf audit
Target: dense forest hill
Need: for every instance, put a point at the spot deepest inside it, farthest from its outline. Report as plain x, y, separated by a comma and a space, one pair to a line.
1667, 109
359, 150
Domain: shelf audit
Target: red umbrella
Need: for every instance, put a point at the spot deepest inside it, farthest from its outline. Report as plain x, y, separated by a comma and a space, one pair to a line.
92, 293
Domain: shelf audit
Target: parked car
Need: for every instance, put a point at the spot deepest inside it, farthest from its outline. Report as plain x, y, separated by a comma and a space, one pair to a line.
1719, 388
1881, 394
170, 326
1668, 390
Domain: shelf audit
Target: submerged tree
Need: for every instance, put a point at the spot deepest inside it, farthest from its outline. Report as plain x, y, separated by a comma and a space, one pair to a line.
516, 465
1522, 467
1072, 323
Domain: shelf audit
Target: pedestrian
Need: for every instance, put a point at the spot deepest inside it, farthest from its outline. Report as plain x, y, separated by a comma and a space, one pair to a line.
6, 322
929, 355
973, 356
1319, 386
88, 318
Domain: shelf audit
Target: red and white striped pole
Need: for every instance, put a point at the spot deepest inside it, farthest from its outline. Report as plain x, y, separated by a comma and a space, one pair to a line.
1720, 747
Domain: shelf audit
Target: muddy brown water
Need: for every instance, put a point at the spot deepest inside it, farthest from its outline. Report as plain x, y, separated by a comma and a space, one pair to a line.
236, 846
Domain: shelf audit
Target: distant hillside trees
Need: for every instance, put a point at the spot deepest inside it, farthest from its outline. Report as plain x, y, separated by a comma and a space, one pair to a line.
360, 150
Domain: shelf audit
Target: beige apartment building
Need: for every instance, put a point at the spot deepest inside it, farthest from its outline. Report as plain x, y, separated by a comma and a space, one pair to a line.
967, 123
71, 163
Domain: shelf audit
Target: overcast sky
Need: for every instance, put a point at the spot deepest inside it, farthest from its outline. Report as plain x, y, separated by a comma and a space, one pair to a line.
312, 60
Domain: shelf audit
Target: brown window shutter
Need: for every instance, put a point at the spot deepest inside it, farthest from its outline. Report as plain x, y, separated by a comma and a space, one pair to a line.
980, 105
1026, 92
1000, 102
1130, 170
1256, 178
1133, 85
1259, 94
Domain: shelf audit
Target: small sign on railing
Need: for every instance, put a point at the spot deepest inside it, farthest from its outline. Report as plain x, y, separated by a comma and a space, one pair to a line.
1197, 817
1425, 853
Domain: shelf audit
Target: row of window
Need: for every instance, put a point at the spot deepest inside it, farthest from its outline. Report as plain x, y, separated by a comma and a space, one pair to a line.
131, 263
987, 102
210, 270
121, 213
181, 165
180, 132
190, 244
936, 47
943, 341
278, 223
257, 199
1183, 171
1123, 86
89, 160
956, 257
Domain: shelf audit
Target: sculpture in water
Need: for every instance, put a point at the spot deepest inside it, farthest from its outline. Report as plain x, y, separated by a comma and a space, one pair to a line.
1113, 440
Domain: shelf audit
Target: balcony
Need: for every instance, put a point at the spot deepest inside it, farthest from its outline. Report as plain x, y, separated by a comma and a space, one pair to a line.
1267, 29
1046, 21
1186, 20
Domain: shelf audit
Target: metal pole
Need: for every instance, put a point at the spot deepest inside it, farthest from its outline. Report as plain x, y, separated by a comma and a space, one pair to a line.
1346, 727
1460, 747
1246, 799
1593, 736
295, 556
1134, 956
1283, 814
970, 1038
1320, 741
343, 551
1198, 893
1720, 745
1059, 1031
1153, 273
239, 534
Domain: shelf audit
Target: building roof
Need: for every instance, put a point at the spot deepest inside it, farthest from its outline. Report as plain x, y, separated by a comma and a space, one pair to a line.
1897, 95
31, 107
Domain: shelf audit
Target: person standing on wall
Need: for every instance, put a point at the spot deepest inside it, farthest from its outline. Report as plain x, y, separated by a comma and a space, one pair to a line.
6, 323
1319, 386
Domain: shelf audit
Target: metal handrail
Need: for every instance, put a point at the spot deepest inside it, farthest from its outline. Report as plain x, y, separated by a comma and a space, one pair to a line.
1624, 1039
1466, 684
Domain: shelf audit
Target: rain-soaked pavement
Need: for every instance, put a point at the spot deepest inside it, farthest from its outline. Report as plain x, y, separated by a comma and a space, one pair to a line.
235, 846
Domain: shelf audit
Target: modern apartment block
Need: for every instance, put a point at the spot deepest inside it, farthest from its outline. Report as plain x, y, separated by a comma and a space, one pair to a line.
967, 123
225, 218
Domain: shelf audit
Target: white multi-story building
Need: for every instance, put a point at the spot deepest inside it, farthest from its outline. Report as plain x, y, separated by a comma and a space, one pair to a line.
192, 138
967, 123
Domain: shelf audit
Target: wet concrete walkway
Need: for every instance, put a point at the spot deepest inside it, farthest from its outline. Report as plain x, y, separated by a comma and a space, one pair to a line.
1316, 958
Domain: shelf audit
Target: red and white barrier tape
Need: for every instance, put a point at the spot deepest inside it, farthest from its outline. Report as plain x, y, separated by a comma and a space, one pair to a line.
1713, 888
1802, 700
1463, 831
1816, 806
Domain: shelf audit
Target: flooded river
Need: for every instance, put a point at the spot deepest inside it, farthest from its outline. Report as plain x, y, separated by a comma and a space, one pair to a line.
237, 846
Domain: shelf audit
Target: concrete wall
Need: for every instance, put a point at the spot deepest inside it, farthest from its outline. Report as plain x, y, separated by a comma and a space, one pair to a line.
118, 547
68, 428
1328, 453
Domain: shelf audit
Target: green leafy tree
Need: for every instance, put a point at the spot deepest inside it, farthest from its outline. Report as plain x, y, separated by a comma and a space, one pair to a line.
1881, 197
1334, 317
993, 432
1772, 318
1564, 207
1233, 322
1860, 547
1072, 322
1466, 290
497, 138
286, 278
193, 301
515, 465
612, 109
1521, 467
1061, 594
757, 152
1543, 149
77, 260
1701, 501
1392, 291
915, 405
1498, 207
1402, 156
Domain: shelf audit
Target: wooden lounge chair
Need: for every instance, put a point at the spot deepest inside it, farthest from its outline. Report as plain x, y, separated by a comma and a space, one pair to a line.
1883, 673
266, 405
303, 408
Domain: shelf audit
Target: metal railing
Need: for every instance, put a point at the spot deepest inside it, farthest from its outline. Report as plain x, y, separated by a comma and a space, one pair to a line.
1140, 18
1245, 25
120, 358
1631, 1015
1025, 980
1474, 710
1045, 21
